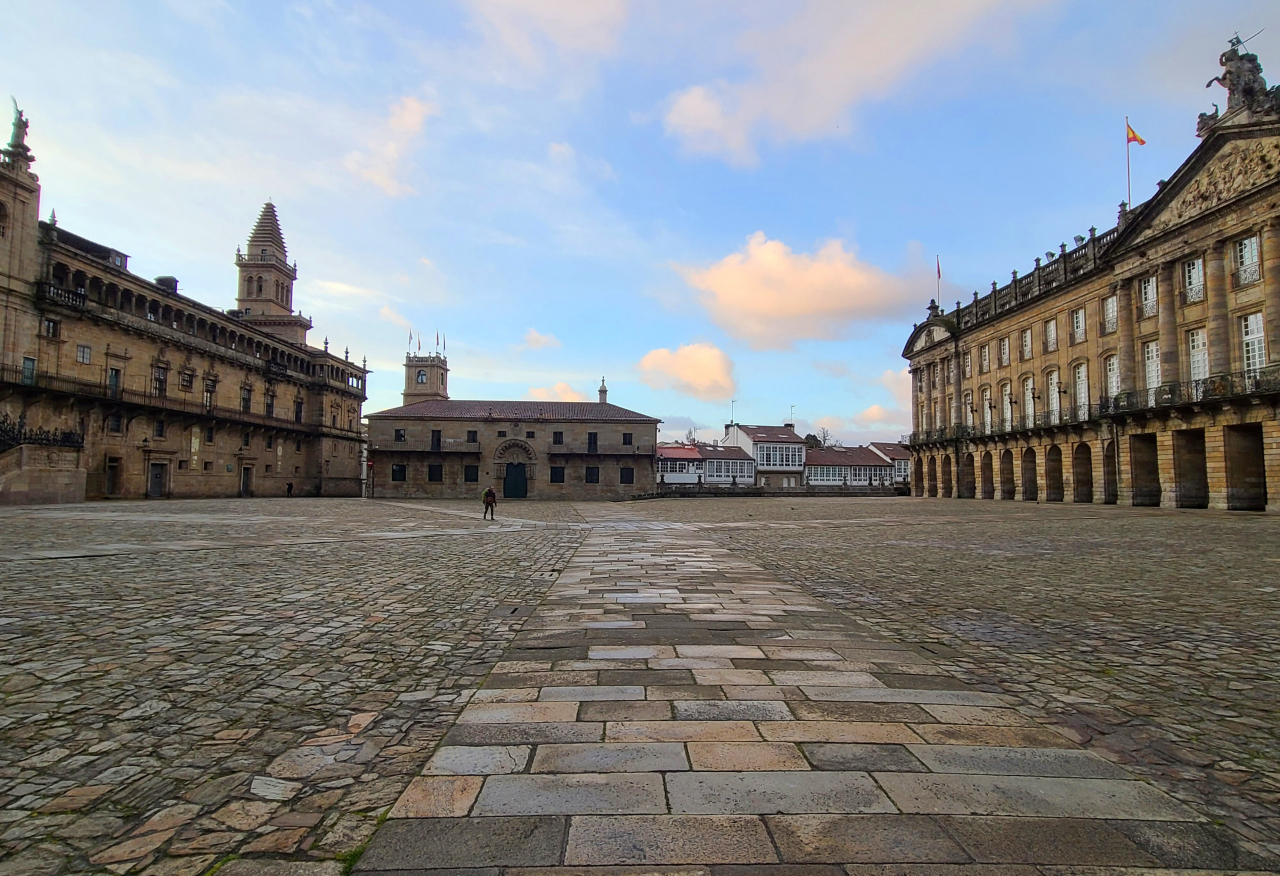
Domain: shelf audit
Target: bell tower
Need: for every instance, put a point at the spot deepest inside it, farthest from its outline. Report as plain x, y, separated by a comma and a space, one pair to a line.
265, 292
426, 377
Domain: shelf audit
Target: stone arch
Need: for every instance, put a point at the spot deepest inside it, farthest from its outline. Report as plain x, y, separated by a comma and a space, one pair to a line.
514, 450
1082, 473
1053, 489
966, 487
1030, 484
932, 489
1007, 488
1110, 470
946, 476
917, 477
988, 476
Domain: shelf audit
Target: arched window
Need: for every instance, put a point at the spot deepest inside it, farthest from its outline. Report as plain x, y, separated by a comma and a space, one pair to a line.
1112, 366
1006, 404
248, 286
1029, 400
1082, 390
259, 287
1054, 404
422, 376
968, 408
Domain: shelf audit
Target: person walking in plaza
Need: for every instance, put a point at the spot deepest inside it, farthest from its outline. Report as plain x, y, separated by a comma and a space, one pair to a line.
490, 499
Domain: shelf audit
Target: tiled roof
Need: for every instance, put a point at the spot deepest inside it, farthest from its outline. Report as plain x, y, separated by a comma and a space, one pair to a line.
711, 451
772, 434
677, 451
843, 456
463, 409
893, 451
267, 229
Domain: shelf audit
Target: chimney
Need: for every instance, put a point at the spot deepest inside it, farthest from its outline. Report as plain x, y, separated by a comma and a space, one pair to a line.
604, 392
791, 426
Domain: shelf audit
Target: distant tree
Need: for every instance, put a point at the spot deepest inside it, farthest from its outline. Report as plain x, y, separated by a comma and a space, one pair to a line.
812, 441
691, 436
824, 438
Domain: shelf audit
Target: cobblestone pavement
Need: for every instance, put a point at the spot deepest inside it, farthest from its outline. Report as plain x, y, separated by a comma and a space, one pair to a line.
708, 685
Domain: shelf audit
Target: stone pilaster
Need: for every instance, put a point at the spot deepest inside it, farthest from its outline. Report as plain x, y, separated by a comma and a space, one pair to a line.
1215, 464
1271, 289
1215, 290
1124, 316
1271, 459
1164, 457
1168, 322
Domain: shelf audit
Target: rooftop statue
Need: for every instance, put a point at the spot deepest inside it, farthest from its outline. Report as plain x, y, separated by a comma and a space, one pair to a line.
1242, 78
18, 142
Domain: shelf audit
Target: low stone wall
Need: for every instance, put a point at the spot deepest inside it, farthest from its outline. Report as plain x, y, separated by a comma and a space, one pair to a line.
31, 474
702, 491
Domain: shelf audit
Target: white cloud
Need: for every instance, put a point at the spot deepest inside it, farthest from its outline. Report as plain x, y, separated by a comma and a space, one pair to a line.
565, 155
812, 69
530, 29
894, 416
536, 340
391, 316
388, 145
702, 371
772, 297
560, 392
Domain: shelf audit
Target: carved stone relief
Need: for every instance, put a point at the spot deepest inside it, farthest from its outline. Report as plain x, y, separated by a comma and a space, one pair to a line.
1239, 167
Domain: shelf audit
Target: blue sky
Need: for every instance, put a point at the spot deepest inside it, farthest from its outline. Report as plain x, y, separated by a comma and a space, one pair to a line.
701, 202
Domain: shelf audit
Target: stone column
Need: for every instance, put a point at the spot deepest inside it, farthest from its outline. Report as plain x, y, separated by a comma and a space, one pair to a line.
1215, 290
929, 373
1271, 289
1169, 346
1215, 464
1124, 316
1164, 456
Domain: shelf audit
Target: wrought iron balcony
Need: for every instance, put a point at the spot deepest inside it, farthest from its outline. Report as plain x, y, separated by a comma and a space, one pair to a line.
66, 297
1246, 274
1240, 384
1193, 293
1148, 308
1110, 325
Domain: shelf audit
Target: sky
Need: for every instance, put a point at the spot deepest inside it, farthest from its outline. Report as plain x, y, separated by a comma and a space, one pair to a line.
723, 208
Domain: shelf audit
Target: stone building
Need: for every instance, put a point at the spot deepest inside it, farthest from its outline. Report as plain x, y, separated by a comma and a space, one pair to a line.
112, 385
1141, 366
777, 450
442, 448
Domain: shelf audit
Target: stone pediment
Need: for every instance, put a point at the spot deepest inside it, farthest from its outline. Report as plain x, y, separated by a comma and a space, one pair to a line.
926, 336
1239, 167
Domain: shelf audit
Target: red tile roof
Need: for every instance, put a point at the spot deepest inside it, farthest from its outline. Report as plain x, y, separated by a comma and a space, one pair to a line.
518, 411
711, 451
677, 451
893, 451
771, 434
843, 456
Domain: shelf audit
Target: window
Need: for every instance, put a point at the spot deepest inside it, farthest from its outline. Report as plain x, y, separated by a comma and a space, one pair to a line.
933, 375
1147, 305
557, 438
115, 423
593, 442
502, 433
399, 472
984, 358
1004, 352
1006, 404
1026, 344
1193, 280
422, 376
1245, 256
968, 365
471, 474
557, 474
297, 446
186, 379
297, 410
208, 435
627, 439
244, 440
1053, 402
246, 398
435, 440
158, 429
269, 468
781, 455
1051, 335
1082, 391
269, 406
113, 381
82, 354
1077, 325
50, 328
1198, 353
271, 442
986, 408
1255, 343
593, 474
1110, 316
626, 475
1112, 367
1028, 400
399, 435
435, 473
473, 436
1151, 368
528, 434
968, 408
159, 381
208, 466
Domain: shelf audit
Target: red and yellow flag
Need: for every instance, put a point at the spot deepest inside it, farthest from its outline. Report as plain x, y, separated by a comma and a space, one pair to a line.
1131, 135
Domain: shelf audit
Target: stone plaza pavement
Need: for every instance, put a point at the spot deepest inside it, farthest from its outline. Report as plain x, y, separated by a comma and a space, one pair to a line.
668, 688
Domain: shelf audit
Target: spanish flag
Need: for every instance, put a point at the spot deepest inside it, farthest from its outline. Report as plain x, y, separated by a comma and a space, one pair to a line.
1132, 135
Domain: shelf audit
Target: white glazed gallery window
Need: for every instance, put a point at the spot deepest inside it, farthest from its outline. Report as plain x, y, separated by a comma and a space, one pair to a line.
777, 455
1112, 368
1255, 343
1198, 353
1147, 296
1082, 391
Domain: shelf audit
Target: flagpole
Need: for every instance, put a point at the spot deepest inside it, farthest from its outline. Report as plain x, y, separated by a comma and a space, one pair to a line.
1128, 179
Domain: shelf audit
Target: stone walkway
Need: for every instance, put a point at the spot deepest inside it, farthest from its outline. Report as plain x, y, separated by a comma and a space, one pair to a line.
669, 703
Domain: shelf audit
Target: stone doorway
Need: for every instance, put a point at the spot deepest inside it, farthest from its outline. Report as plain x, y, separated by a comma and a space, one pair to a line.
988, 476
1144, 466
1082, 473
246, 480
515, 483
1246, 468
917, 482
968, 485
1007, 489
946, 476
1053, 490
1110, 474
1030, 484
1190, 471
155, 480
933, 477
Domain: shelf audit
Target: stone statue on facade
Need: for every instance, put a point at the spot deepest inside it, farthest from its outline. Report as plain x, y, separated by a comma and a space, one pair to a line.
17, 148
1246, 88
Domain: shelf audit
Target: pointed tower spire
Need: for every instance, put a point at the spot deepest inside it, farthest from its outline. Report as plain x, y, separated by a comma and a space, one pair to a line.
267, 231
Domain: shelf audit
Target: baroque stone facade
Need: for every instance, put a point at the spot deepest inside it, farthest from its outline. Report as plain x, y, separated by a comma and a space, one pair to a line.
441, 448
157, 394
1141, 367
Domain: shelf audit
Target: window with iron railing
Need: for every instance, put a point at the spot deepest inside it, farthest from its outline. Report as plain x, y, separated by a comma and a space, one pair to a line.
1026, 344
1051, 336
984, 359
1110, 315
1147, 303
1004, 352
159, 381
1193, 281
1245, 258
1077, 325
